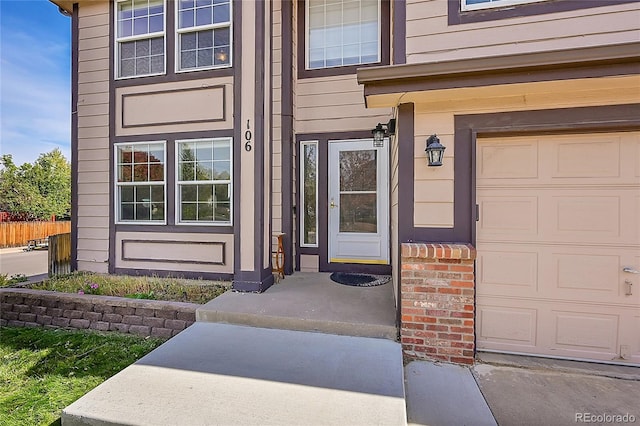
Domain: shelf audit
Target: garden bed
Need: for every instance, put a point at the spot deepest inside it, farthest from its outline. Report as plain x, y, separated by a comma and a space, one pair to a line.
136, 287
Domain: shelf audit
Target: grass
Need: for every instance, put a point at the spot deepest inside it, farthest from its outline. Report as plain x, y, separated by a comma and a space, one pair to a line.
44, 370
174, 289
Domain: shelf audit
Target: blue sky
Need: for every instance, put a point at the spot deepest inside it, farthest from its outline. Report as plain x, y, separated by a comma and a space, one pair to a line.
35, 79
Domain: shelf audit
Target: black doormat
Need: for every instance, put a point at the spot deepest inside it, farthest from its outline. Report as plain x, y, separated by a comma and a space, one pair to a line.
359, 280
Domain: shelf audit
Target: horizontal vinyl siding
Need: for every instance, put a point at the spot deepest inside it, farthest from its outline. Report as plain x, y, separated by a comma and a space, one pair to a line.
93, 137
334, 104
431, 38
276, 141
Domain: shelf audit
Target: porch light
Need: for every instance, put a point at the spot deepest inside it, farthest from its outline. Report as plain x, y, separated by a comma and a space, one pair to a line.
382, 131
435, 151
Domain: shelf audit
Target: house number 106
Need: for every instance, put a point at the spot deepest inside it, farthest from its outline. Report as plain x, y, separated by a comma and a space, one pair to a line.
247, 138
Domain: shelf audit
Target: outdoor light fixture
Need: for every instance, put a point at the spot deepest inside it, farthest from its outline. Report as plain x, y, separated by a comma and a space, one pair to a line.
382, 131
435, 151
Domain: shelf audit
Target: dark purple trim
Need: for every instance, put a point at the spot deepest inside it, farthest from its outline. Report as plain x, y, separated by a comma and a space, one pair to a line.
165, 123
399, 32
237, 129
303, 72
112, 133
260, 278
213, 276
74, 136
194, 262
171, 137
405, 138
173, 228
456, 16
288, 168
323, 194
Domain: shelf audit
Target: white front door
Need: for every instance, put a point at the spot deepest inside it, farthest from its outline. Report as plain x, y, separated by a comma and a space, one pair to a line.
358, 202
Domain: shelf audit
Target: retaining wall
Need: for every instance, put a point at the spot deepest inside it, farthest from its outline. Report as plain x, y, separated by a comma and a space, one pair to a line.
40, 308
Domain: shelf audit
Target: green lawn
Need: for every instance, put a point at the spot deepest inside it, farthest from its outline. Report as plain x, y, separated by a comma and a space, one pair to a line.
44, 370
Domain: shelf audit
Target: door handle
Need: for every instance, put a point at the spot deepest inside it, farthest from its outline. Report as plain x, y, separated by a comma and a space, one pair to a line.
332, 204
630, 270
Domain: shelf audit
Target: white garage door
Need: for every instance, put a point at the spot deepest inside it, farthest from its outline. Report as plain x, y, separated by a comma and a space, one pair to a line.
559, 224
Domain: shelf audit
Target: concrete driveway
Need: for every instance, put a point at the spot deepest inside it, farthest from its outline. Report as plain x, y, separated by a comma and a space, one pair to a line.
533, 391
14, 261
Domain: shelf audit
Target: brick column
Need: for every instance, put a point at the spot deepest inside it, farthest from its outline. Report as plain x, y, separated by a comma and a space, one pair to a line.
438, 310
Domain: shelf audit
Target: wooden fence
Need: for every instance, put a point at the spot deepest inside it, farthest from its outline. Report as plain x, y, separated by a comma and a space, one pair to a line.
17, 234
59, 254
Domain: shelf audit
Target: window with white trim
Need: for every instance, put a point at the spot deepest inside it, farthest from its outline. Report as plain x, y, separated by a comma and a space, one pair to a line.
204, 34
204, 181
140, 38
342, 32
486, 4
140, 183
309, 193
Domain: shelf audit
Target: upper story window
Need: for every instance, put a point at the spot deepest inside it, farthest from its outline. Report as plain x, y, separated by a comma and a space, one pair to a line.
485, 4
204, 34
140, 34
342, 32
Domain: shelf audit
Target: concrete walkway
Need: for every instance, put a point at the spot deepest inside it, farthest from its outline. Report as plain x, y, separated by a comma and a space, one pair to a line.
237, 375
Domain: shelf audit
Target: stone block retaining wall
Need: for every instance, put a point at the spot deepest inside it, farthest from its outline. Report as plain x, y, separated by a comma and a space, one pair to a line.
437, 302
38, 308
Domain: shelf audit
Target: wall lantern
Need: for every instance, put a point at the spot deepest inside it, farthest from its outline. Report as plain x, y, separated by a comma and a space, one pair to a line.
382, 131
435, 151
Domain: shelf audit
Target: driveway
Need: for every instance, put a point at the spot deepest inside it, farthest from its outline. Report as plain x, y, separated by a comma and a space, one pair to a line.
529, 391
15, 261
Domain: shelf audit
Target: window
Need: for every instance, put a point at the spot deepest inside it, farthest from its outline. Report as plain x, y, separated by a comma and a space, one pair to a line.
309, 193
139, 38
204, 34
204, 181
140, 185
485, 4
341, 33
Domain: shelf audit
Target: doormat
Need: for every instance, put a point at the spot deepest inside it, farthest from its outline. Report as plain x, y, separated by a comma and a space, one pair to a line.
359, 280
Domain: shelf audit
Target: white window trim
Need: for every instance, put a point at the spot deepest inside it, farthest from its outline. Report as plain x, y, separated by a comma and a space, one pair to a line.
306, 39
494, 4
302, 146
118, 41
177, 200
116, 201
180, 31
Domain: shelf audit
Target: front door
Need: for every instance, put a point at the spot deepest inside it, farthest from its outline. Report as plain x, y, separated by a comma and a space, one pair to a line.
358, 202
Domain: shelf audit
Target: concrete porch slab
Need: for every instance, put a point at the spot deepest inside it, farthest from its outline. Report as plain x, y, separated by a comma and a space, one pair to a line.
237, 375
310, 302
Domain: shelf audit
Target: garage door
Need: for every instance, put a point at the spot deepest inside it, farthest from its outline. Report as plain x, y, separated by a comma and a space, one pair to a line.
559, 224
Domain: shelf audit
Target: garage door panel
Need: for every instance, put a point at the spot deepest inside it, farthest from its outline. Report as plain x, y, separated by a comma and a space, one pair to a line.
512, 272
585, 330
589, 157
508, 159
552, 243
509, 215
506, 326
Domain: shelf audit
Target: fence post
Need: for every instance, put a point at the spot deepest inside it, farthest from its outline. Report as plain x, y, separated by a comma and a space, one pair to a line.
59, 254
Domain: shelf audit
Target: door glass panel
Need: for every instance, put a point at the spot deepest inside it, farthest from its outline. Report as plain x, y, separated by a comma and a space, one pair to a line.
358, 170
358, 213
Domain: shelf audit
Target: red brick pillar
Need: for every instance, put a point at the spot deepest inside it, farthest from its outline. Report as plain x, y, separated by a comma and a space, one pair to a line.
437, 284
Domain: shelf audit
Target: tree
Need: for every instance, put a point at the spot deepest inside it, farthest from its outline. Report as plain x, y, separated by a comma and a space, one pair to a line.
38, 190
